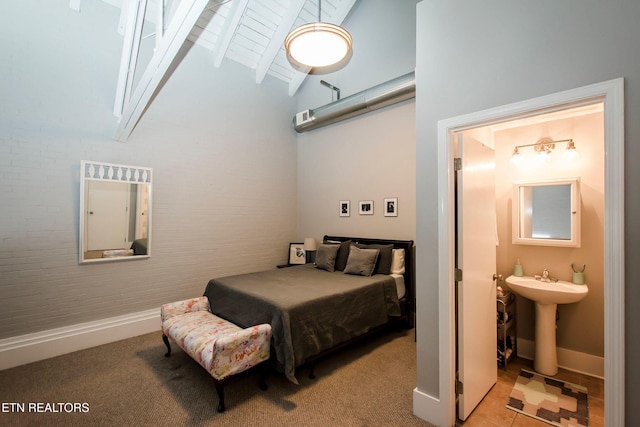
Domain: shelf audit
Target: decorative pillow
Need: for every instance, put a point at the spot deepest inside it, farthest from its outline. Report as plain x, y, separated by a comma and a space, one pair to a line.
397, 261
361, 261
343, 254
326, 256
383, 265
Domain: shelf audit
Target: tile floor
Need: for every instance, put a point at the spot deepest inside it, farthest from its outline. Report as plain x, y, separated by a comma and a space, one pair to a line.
492, 411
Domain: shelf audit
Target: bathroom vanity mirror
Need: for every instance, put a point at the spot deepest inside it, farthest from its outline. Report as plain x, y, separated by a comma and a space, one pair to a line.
547, 213
115, 212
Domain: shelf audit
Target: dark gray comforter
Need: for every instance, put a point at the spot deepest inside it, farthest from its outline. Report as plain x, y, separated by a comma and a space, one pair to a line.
310, 310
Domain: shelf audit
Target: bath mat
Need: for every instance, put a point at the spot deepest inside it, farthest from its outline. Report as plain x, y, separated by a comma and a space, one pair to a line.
550, 400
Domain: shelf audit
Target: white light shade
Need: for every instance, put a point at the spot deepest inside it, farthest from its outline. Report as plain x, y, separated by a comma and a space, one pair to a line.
516, 157
571, 154
310, 244
318, 44
542, 158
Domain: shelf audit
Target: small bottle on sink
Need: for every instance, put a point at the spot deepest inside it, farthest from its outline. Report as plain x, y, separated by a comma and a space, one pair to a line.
517, 270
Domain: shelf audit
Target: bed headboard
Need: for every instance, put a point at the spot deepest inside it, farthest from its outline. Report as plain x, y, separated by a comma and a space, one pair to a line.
409, 264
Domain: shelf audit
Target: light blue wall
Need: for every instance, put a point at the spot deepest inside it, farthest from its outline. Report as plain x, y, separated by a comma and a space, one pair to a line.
477, 55
224, 160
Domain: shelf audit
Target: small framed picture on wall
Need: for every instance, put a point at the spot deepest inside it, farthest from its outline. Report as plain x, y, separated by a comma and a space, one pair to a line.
345, 208
366, 207
391, 206
297, 254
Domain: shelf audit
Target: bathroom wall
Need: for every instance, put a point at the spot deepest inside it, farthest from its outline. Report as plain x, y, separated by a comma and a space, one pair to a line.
581, 325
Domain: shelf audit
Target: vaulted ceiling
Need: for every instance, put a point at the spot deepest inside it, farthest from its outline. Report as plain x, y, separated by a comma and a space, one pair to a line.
249, 32
252, 32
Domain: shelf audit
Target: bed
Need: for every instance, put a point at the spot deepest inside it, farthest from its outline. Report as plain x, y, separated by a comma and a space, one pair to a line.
312, 309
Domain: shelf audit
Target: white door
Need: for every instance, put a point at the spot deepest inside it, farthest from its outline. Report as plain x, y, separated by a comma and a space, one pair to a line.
142, 209
107, 215
476, 257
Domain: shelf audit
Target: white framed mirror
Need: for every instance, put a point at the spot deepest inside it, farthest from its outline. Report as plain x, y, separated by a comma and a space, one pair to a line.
547, 213
115, 212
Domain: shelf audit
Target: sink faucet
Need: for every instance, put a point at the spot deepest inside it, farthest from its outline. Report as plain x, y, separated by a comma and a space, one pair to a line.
545, 277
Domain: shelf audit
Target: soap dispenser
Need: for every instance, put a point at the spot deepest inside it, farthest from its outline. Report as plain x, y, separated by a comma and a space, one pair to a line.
517, 270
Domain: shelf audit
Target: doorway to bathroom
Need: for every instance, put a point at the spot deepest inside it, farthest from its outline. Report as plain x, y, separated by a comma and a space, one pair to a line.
608, 95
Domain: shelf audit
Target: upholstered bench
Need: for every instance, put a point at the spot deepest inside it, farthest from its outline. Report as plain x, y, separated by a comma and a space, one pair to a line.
219, 346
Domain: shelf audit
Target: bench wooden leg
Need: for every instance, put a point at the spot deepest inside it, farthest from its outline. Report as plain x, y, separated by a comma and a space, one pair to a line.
220, 389
263, 376
166, 342
221, 383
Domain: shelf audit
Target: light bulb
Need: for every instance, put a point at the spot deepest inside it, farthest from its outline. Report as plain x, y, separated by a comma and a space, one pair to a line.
571, 154
542, 157
516, 158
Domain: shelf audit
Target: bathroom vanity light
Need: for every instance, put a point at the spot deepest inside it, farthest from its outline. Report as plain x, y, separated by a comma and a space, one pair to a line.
571, 153
318, 44
544, 147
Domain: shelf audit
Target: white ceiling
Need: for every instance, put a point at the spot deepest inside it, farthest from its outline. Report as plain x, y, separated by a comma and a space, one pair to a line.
250, 32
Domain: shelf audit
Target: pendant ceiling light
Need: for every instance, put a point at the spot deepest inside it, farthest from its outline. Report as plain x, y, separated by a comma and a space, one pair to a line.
318, 44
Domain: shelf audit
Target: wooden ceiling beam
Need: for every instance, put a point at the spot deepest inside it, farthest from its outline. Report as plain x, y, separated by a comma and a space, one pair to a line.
175, 36
230, 25
130, 49
276, 42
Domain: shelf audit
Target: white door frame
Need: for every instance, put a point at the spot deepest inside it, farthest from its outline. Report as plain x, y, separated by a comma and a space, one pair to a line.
611, 93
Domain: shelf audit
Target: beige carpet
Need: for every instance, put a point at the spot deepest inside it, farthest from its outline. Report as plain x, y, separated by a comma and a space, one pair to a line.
131, 383
550, 400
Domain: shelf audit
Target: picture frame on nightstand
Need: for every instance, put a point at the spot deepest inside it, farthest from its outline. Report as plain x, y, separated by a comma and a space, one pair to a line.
297, 254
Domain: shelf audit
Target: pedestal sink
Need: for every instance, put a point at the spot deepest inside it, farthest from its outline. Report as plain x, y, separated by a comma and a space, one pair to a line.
546, 296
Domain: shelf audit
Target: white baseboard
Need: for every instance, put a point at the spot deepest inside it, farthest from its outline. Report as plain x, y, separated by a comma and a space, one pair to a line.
429, 408
23, 349
568, 359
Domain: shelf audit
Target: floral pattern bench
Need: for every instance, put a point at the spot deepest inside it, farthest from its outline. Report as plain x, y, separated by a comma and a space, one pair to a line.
219, 346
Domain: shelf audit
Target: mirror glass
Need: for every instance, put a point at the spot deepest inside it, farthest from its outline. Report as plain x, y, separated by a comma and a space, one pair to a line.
547, 213
115, 212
